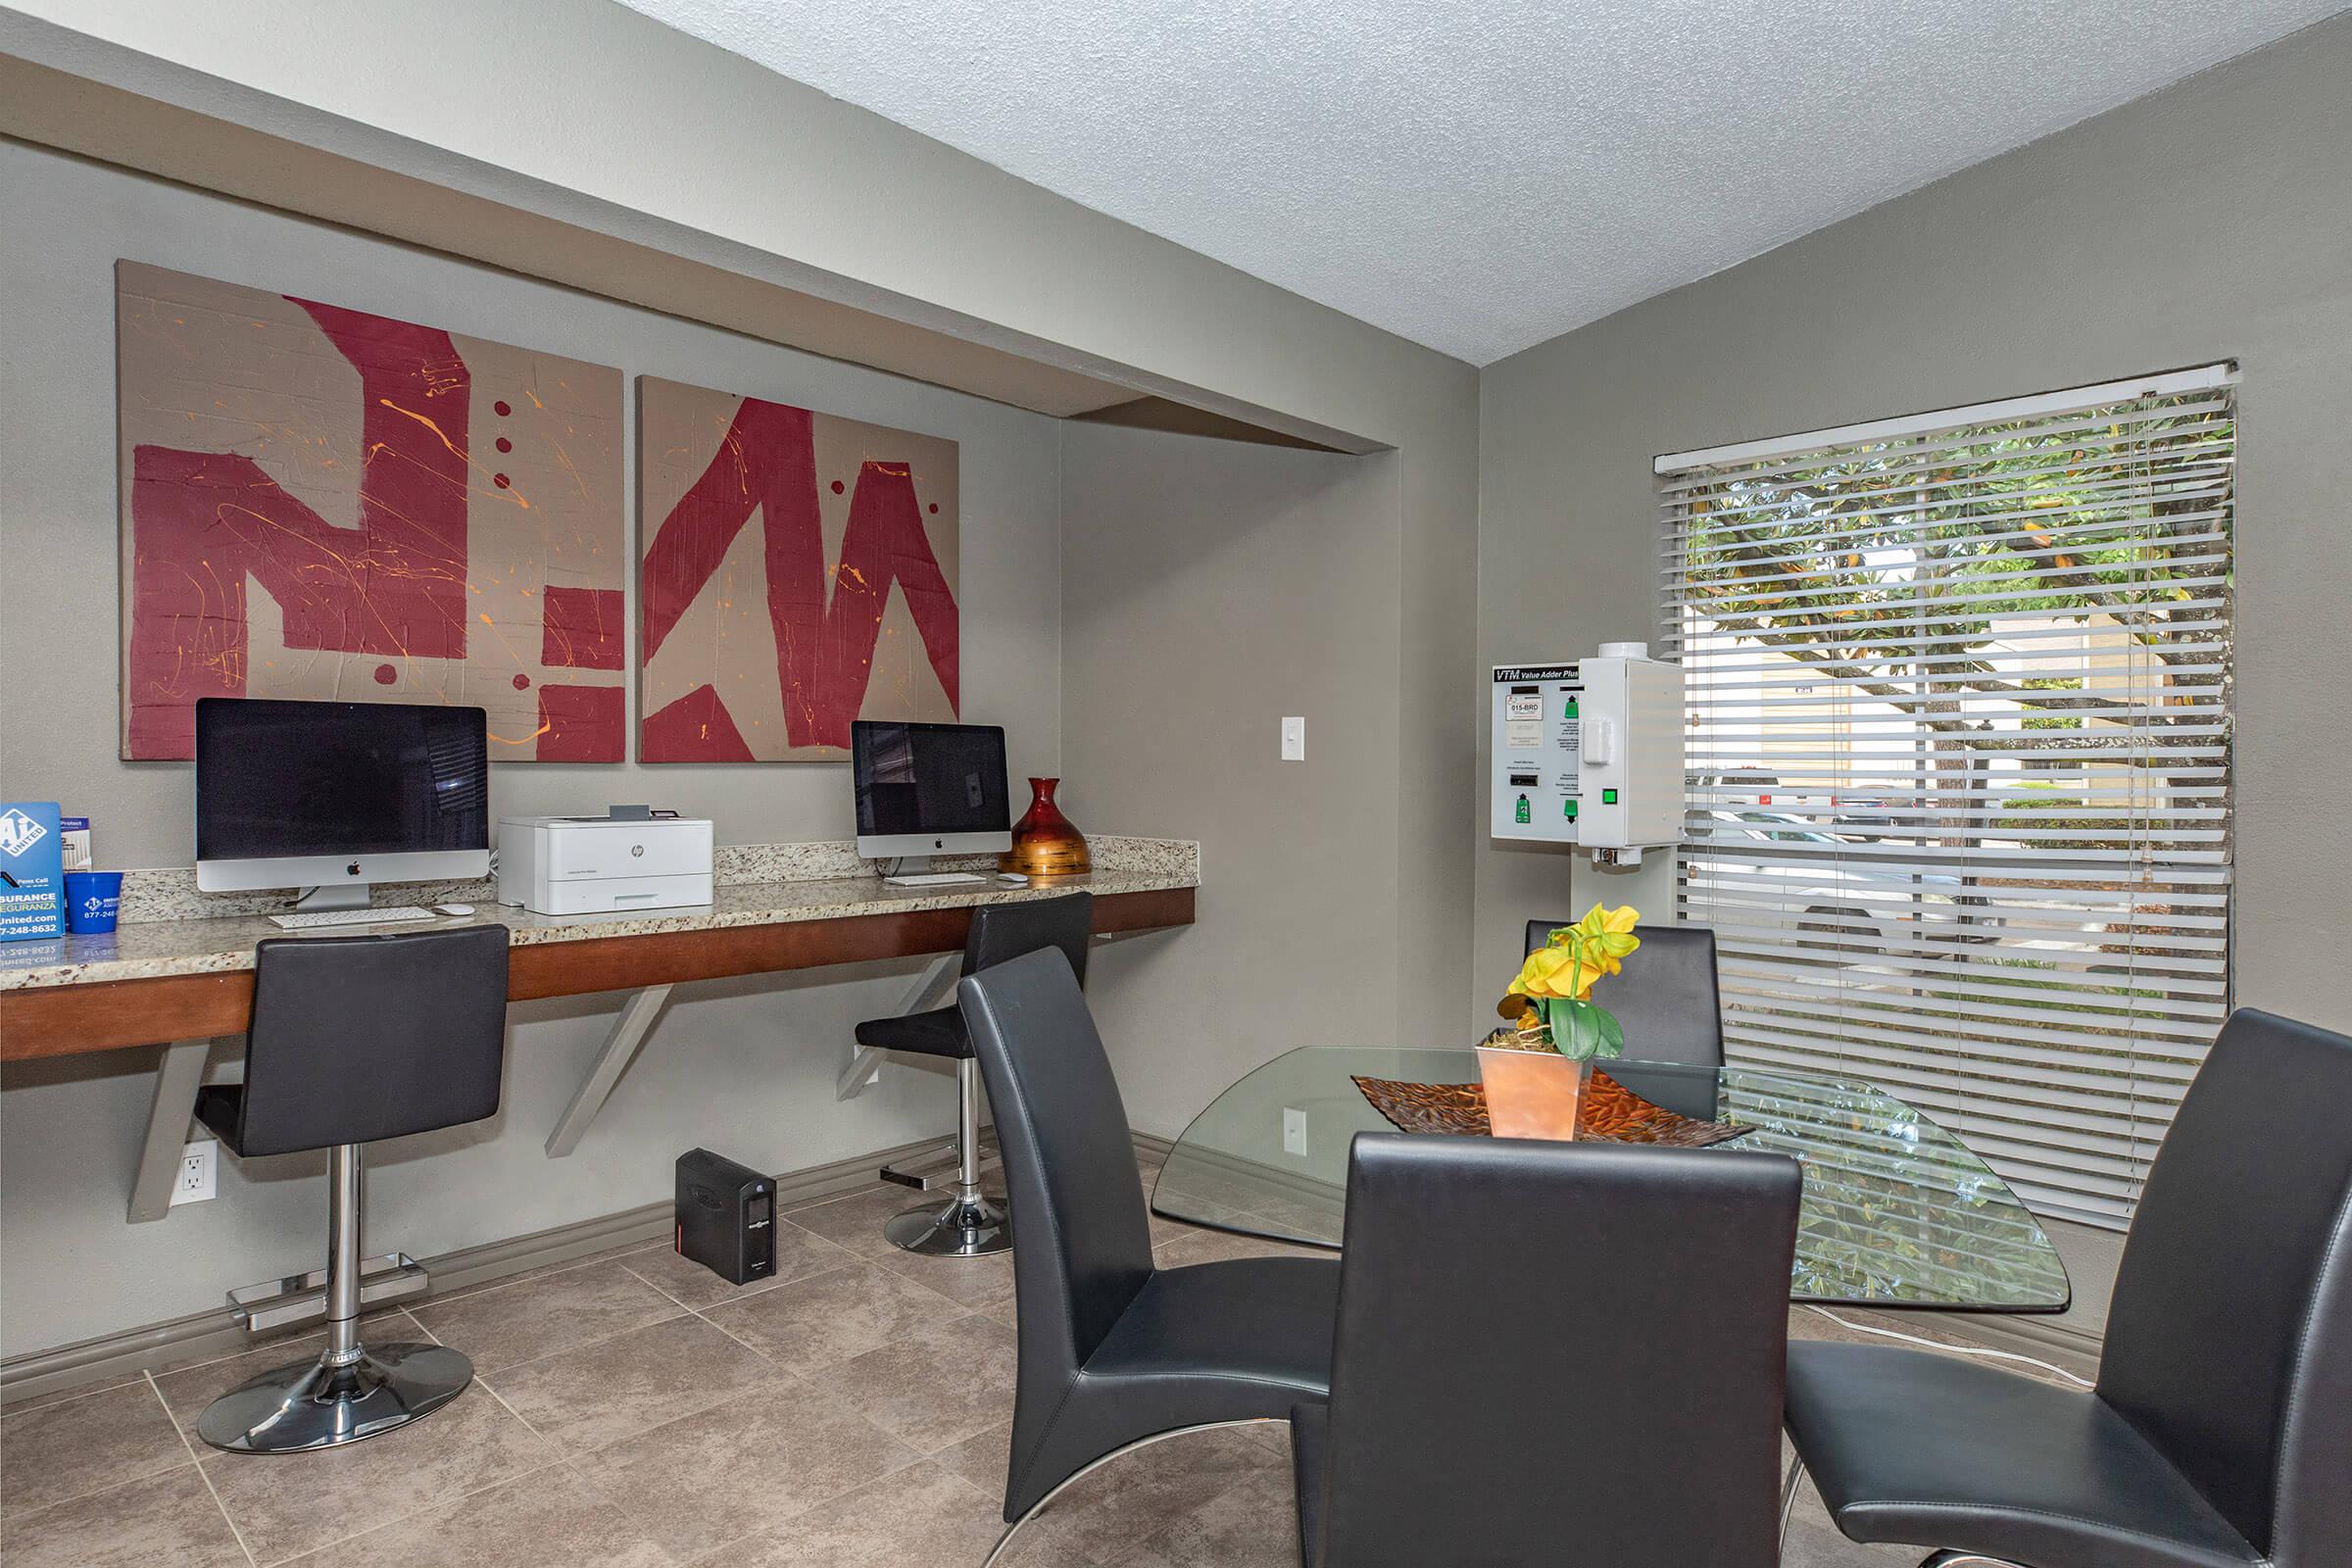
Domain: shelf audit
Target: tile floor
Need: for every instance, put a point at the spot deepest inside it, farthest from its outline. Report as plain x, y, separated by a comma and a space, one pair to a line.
635, 1411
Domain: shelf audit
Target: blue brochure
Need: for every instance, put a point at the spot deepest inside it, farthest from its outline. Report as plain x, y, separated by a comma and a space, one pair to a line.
32, 874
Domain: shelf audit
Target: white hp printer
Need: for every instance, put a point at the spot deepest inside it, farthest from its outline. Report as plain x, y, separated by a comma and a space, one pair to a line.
596, 864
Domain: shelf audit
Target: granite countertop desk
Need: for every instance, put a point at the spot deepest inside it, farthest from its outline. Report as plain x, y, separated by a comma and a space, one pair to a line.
178, 968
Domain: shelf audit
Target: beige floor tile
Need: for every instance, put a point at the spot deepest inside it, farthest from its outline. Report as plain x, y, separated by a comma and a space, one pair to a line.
604, 1255
54, 1452
982, 1457
1193, 1181
289, 1504
1274, 1435
978, 1283
596, 1395
189, 1390
548, 1519
827, 1319
1251, 1525
855, 1222
935, 1385
61, 1396
1143, 1494
743, 1467
927, 1517
1199, 1216
1298, 1216
799, 1254
169, 1522
857, 1191
540, 1316
1212, 1246
1816, 1543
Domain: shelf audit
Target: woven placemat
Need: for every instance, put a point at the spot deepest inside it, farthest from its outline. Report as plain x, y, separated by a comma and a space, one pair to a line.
1609, 1112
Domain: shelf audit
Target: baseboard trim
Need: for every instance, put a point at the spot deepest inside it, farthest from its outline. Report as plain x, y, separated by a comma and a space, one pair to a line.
205, 1336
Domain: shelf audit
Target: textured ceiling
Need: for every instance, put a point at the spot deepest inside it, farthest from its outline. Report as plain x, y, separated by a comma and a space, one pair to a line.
1480, 177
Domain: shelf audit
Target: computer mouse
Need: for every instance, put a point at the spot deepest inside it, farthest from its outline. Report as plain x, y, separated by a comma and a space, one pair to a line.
453, 909
1013, 877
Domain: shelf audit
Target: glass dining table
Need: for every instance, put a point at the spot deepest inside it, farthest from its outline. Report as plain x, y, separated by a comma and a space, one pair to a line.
1897, 1212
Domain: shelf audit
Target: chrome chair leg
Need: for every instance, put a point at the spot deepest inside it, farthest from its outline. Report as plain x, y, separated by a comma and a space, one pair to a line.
349, 1391
1076, 1476
972, 1223
1966, 1559
1796, 1473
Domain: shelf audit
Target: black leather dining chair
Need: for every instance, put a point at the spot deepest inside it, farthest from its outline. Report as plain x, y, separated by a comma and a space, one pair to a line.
1113, 1351
1666, 997
1566, 1355
2220, 1432
972, 1223
353, 1040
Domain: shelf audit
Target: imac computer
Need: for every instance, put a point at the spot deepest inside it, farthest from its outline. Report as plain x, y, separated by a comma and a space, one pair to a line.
331, 796
929, 789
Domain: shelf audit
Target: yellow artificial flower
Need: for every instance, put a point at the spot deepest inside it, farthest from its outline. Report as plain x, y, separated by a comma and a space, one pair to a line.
1554, 972
1607, 936
1577, 955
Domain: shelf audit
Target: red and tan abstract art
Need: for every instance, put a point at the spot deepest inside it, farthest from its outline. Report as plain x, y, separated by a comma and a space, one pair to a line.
318, 503
797, 572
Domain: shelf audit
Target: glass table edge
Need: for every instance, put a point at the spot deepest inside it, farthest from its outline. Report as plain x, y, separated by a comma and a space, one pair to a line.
2039, 1308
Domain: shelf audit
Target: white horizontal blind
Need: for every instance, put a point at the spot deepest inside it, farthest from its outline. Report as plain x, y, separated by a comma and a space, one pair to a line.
1957, 713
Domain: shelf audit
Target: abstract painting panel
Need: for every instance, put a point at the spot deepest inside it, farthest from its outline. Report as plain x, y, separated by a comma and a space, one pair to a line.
319, 503
797, 572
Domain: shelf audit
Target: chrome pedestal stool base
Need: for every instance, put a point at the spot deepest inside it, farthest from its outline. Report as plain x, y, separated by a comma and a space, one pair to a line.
968, 1225
311, 1405
971, 1223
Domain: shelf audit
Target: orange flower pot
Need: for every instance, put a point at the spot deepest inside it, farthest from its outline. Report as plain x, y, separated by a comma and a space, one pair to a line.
1532, 1094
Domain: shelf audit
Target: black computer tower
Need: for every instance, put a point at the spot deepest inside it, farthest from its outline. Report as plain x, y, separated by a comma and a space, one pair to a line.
727, 1217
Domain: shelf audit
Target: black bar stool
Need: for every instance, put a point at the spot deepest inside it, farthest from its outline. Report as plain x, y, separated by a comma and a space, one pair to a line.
355, 1039
972, 1223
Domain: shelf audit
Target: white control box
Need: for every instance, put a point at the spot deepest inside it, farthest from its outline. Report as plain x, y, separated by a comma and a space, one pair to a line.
597, 864
1631, 776
1588, 752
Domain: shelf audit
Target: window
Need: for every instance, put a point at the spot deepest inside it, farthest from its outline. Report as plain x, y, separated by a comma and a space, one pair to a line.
1957, 706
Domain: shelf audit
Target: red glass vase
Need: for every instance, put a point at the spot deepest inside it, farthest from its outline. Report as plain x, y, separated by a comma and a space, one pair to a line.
1045, 843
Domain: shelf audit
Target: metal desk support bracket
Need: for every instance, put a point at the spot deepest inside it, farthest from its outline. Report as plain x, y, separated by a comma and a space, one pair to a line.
866, 1063
176, 1079
620, 1047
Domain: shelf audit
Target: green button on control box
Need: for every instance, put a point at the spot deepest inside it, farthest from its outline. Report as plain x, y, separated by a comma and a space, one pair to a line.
1608, 797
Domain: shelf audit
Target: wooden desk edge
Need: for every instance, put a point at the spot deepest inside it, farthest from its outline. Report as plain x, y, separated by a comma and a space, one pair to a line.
115, 1014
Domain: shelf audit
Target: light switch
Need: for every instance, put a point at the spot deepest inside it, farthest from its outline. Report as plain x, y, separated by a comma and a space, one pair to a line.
1293, 740
1293, 1131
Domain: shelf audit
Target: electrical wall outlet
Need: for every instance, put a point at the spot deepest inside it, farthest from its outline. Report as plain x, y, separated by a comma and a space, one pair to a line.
1293, 1131
1293, 740
197, 1163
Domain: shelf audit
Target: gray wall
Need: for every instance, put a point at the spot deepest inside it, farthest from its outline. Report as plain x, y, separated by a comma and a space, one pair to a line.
2212, 221
1208, 591
746, 1068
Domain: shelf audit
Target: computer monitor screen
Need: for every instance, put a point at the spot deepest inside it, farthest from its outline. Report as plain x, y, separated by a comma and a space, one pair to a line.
364, 791
923, 789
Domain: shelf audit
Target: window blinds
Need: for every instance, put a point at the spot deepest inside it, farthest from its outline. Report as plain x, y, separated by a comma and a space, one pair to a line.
1957, 699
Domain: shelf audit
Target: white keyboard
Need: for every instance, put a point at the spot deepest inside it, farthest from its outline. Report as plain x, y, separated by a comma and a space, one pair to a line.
312, 919
934, 879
